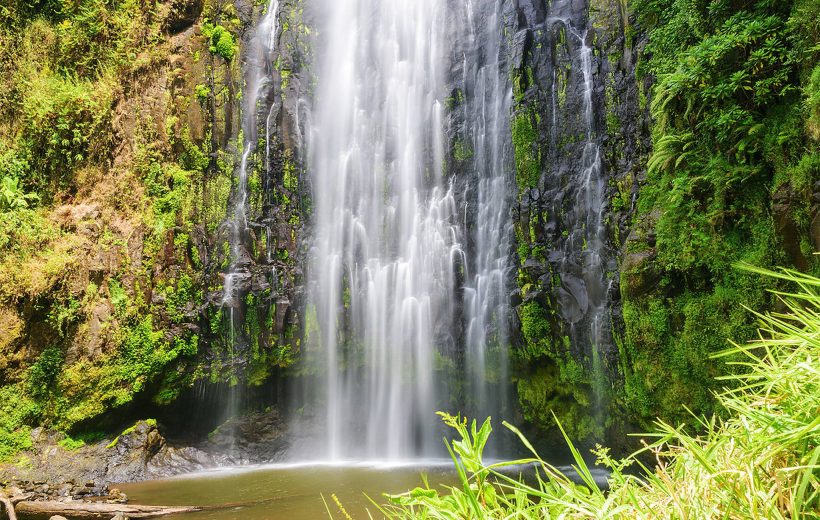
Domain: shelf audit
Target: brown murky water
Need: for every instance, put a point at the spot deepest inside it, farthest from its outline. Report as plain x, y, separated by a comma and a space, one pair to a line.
292, 492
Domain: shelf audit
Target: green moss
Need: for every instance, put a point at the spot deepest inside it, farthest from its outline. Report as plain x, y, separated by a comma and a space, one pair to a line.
462, 151
194, 158
17, 412
812, 104
527, 151
545, 391
63, 128
70, 444
42, 376
536, 330
130, 430
202, 93
290, 177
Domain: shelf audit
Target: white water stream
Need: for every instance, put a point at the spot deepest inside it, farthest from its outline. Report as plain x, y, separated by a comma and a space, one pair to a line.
390, 277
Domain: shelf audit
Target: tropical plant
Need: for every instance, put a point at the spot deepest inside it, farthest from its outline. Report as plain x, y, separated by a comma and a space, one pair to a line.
12, 196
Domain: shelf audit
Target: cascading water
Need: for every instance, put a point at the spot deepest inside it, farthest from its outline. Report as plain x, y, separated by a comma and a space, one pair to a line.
386, 247
583, 295
257, 84
591, 200
486, 119
258, 69
407, 272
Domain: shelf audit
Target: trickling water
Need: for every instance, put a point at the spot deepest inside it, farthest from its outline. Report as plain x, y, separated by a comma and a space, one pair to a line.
591, 198
486, 113
258, 70
390, 276
585, 284
591, 204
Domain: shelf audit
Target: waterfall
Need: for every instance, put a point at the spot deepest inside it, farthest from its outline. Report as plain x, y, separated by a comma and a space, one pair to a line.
486, 115
591, 197
386, 247
258, 69
583, 295
406, 280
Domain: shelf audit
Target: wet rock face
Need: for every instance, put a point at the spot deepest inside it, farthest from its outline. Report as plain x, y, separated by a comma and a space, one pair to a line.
561, 96
253, 438
581, 136
264, 277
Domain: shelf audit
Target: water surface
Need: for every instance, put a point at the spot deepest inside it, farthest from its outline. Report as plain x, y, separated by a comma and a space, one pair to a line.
295, 491
291, 492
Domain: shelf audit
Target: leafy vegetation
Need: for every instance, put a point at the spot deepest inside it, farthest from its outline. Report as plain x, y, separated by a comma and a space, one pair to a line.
527, 154
97, 281
12, 197
730, 180
763, 461
221, 40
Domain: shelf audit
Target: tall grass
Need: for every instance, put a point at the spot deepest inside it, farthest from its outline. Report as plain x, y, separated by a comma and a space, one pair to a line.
760, 463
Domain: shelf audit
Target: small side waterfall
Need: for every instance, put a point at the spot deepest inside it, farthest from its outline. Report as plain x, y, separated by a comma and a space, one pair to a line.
486, 123
592, 203
259, 65
585, 247
257, 84
573, 200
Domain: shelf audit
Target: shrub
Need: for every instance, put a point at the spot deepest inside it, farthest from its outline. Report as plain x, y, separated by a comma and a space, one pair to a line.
17, 412
43, 374
221, 41
12, 197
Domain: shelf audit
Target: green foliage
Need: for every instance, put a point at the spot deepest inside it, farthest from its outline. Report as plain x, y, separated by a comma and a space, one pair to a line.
169, 186
179, 297
17, 413
462, 151
12, 197
63, 127
64, 311
812, 92
731, 116
762, 462
63, 64
550, 378
118, 297
43, 374
536, 330
90, 389
92, 34
193, 158
14, 164
130, 430
71, 444
202, 92
220, 39
527, 152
